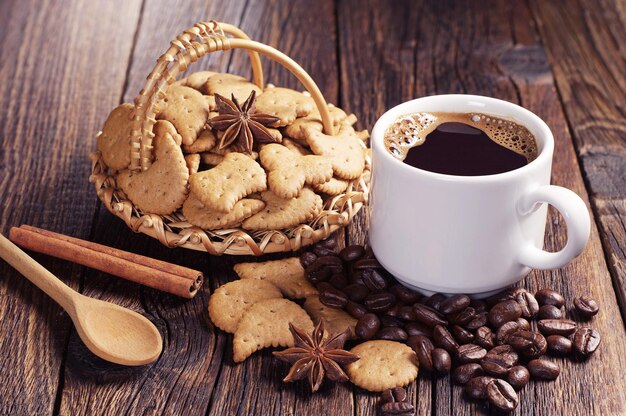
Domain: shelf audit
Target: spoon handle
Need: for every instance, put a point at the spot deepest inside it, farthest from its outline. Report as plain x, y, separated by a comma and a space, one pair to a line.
37, 274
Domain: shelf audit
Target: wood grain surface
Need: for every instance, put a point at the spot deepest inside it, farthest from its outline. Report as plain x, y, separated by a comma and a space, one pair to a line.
65, 65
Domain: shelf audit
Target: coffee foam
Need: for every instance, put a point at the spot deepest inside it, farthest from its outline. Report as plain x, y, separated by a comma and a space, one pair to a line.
410, 130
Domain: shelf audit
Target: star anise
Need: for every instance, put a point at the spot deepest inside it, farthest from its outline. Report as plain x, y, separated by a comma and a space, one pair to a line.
316, 355
241, 124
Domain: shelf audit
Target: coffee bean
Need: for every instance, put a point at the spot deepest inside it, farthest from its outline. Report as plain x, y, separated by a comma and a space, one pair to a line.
435, 301
333, 297
479, 320
356, 292
317, 275
462, 335
367, 326
404, 294
586, 307
463, 317
329, 242
501, 395
485, 338
523, 324
418, 328
530, 344
423, 348
499, 360
518, 377
396, 394
366, 264
324, 251
428, 316
559, 344
397, 409
442, 362
355, 310
543, 369
586, 341
503, 312
444, 339
505, 331
549, 312
556, 326
454, 304
373, 279
356, 277
470, 353
464, 373
307, 258
476, 388
386, 320
351, 253
406, 313
379, 302
338, 280
393, 311
330, 263
527, 303
322, 286
508, 294
478, 305
392, 333
549, 297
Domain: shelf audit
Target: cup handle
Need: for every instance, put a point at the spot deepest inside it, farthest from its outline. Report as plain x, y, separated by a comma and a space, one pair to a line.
573, 209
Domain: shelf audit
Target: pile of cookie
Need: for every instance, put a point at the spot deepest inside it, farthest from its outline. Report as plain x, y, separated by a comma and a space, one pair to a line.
228, 154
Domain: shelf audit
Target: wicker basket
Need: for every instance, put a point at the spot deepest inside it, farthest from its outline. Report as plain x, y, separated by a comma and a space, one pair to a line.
173, 230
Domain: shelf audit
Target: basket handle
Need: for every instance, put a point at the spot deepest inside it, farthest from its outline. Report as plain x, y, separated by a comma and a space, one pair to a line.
188, 47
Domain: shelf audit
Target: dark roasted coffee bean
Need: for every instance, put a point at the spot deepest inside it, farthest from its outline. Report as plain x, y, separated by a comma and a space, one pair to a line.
418, 328
373, 279
505, 331
444, 339
406, 313
499, 360
586, 341
503, 312
559, 344
454, 304
518, 377
527, 303
367, 326
463, 317
356, 277
396, 394
556, 326
478, 321
476, 388
529, 344
464, 373
387, 320
307, 258
318, 275
397, 409
549, 312
501, 395
549, 297
485, 338
470, 353
356, 292
523, 324
355, 310
379, 302
508, 294
394, 311
423, 348
333, 297
442, 362
332, 263
366, 264
586, 307
329, 242
351, 253
404, 294
324, 252
338, 280
478, 305
435, 301
543, 369
428, 316
462, 335
392, 333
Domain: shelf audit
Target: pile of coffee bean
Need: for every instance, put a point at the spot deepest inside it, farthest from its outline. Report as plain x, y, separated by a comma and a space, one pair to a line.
394, 402
495, 345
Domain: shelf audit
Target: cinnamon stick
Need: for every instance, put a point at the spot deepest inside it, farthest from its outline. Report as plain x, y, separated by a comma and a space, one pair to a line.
153, 273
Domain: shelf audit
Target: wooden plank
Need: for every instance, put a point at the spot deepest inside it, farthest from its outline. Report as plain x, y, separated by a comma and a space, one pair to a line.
391, 54
591, 81
56, 60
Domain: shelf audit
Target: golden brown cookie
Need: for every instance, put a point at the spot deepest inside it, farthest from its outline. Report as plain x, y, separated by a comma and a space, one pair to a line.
201, 216
235, 177
114, 141
296, 147
284, 103
345, 149
289, 172
285, 274
162, 188
314, 122
193, 162
266, 324
197, 80
187, 109
282, 213
164, 127
227, 85
336, 320
228, 303
211, 159
334, 186
383, 365
205, 142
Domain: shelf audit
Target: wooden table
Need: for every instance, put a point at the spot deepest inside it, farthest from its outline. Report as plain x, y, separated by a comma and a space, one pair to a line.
65, 65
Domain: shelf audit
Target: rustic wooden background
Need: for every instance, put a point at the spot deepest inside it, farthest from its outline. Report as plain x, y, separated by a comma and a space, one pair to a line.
65, 64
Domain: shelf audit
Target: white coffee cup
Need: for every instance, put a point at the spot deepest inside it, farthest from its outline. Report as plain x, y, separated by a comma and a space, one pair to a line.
468, 234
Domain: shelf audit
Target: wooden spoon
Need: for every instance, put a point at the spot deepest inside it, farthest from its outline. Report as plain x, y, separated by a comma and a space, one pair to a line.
111, 332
